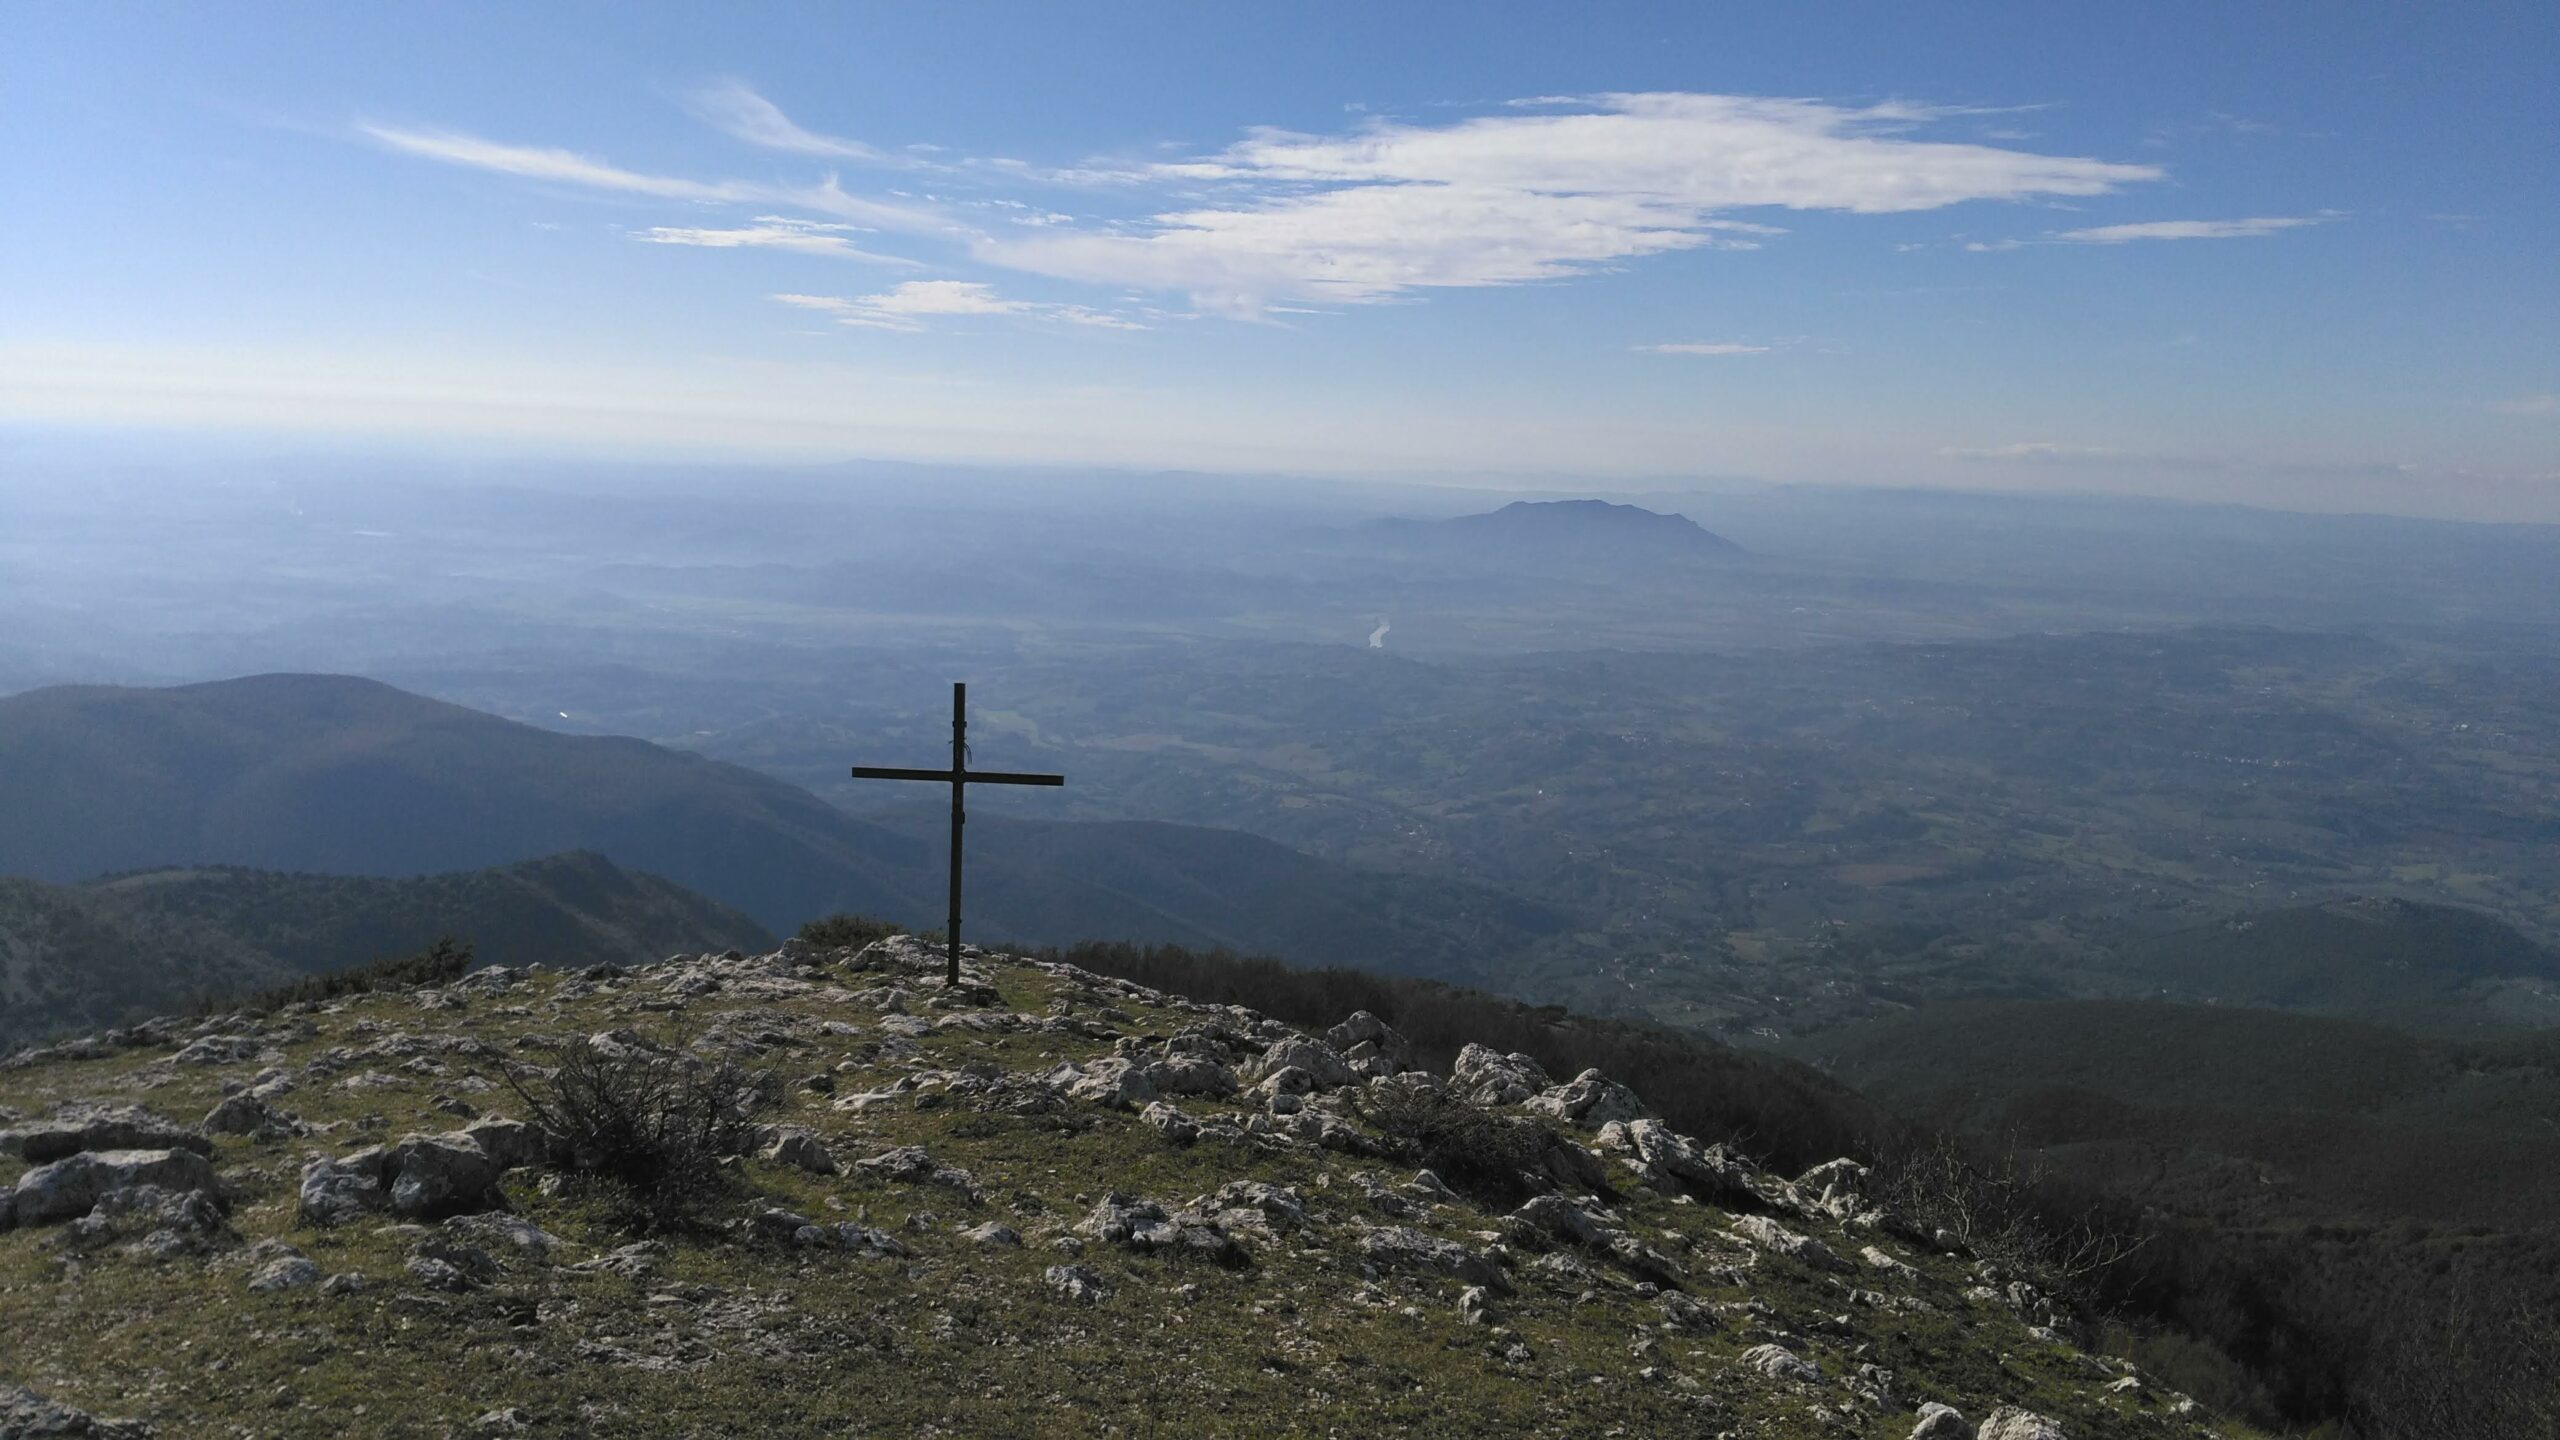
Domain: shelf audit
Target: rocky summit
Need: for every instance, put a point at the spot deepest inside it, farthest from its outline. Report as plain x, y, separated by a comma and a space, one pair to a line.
1045, 1202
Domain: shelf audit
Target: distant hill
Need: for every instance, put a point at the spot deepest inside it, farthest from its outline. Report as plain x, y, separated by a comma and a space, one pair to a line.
2250, 1116
338, 775
1578, 530
77, 957
2431, 969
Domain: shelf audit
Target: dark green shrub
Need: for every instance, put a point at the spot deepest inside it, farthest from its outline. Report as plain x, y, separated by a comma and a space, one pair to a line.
442, 963
846, 931
650, 1130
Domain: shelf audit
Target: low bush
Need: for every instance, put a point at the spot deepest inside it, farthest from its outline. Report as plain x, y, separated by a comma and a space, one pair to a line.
442, 963
651, 1130
848, 931
1485, 1156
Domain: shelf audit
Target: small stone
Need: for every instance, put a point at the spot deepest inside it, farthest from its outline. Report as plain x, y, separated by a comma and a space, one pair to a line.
1078, 1283
1780, 1363
289, 1273
1941, 1422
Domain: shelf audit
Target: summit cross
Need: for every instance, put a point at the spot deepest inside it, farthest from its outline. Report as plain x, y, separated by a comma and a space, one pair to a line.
959, 777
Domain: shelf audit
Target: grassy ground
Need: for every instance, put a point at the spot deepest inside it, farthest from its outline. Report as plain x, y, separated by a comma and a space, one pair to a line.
724, 1337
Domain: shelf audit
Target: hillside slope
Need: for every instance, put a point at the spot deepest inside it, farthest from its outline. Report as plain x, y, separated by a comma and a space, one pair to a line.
2250, 1116
1047, 1203
345, 776
2425, 968
76, 957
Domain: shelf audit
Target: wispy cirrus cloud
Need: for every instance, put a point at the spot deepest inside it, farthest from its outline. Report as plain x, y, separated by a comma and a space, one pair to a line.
1703, 347
2187, 229
2160, 230
567, 167
1518, 198
2528, 405
910, 305
733, 107
774, 232
1541, 191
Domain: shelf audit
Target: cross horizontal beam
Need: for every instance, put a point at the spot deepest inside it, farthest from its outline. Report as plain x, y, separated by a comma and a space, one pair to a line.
970, 777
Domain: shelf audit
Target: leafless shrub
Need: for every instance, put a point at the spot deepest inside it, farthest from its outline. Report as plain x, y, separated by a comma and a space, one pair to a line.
650, 1129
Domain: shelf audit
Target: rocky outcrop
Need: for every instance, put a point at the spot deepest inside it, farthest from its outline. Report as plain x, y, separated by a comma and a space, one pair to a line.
1675, 1164
1144, 1225
78, 1127
1589, 1100
420, 1177
70, 1188
1488, 1077
1401, 1247
2011, 1423
1766, 1234
26, 1413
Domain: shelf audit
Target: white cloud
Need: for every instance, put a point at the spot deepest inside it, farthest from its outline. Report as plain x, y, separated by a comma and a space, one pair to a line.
773, 232
735, 108
2186, 230
1539, 192
906, 306
566, 167
2528, 405
1515, 198
1704, 347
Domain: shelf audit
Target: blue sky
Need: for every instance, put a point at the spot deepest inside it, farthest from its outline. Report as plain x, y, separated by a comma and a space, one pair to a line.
2296, 255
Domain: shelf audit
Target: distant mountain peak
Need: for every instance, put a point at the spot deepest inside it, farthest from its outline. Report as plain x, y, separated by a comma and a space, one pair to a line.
1586, 524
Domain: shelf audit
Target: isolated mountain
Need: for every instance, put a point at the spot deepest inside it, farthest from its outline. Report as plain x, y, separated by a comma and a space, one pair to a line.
344, 776
81, 956
1576, 530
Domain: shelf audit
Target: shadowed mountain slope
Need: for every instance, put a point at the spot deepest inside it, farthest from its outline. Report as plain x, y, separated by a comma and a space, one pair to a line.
83, 956
343, 776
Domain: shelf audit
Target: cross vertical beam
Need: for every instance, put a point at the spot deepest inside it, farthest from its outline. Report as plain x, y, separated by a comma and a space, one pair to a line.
959, 776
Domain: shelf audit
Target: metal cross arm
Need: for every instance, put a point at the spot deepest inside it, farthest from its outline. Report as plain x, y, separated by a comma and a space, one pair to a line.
973, 777
959, 777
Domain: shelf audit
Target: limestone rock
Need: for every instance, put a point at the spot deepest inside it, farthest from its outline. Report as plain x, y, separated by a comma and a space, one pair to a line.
1324, 1065
1589, 1099
802, 1150
505, 1232
994, 1233
1941, 1422
243, 1114
71, 1187
1769, 1235
1078, 1283
437, 1175
1144, 1225
1114, 1081
1674, 1163
334, 1192
288, 1272
910, 1165
1401, 1247
1255, 1205
85, 1126
2011, 1423
1485, 1076
1169, 1122
26, 1413
1780, 1363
